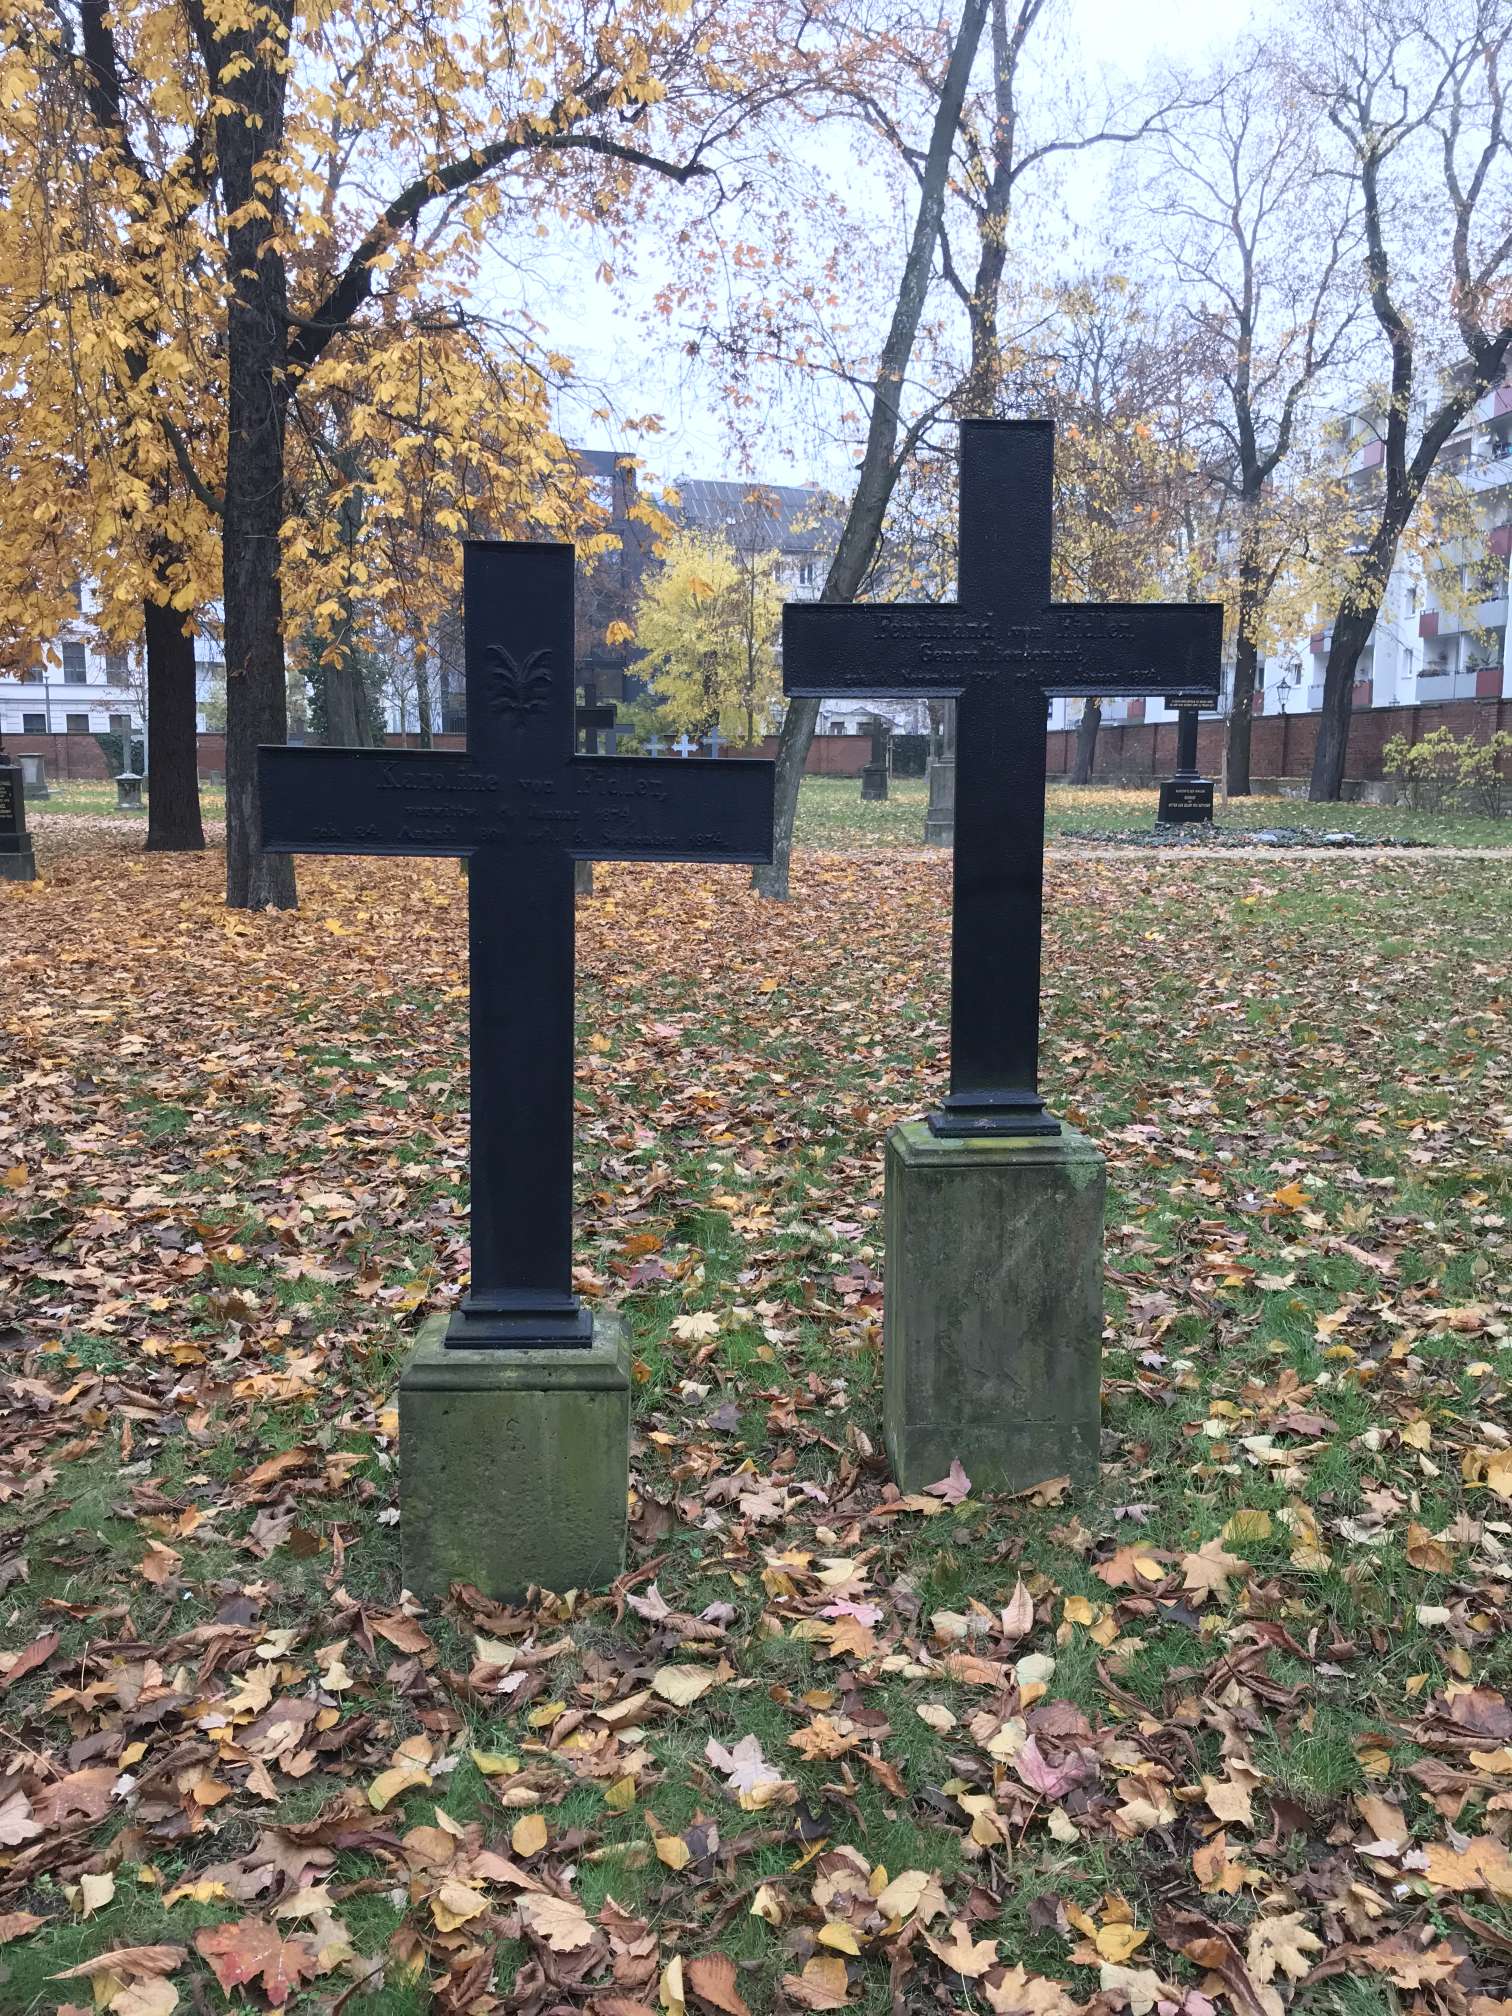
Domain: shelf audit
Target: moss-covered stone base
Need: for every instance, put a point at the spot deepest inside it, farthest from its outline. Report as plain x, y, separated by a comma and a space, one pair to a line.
514, 1467
994, 1308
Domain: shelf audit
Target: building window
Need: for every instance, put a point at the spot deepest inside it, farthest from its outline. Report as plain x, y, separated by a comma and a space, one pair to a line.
805, 574
76, 724
75, 663
120, 724
77, 592
33, 724
115, 667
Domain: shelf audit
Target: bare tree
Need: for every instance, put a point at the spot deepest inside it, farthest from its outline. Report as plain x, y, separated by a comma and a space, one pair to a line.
1261, 244
1415, 96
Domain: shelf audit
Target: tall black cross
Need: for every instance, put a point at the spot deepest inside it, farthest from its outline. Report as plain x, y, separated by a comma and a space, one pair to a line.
521, 807
1001, 651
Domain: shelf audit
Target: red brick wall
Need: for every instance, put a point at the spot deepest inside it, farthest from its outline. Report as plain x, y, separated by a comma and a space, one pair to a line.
1281, 744
69, 758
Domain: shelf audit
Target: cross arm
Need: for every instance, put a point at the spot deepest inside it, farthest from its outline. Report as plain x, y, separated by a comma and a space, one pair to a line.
895, 650
1126, 647
642, 808
368, 801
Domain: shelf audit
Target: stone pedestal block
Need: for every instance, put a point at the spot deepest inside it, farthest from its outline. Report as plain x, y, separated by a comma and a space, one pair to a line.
874, 781
994, 1307
1186, 801
514, 1466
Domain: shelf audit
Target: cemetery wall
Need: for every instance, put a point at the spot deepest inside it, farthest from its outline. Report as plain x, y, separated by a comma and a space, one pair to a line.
1281, 745
75, 759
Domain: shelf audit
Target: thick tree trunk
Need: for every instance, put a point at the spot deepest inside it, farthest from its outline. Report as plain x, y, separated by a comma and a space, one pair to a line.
423, 701
173, 801
348, 722
1241, 710
1086, 742
249, 138
1352, 628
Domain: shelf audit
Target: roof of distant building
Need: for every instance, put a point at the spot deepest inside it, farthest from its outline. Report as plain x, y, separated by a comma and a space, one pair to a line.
793, 518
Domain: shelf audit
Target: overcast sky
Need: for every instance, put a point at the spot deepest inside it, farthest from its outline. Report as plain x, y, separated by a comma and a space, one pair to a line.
599, 329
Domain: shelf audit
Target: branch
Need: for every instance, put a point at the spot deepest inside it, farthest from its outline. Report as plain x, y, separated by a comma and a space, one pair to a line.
355, 283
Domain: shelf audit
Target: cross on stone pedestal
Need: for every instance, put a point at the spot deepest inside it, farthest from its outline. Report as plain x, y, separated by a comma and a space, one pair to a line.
521, 807
1001, 650
684, 747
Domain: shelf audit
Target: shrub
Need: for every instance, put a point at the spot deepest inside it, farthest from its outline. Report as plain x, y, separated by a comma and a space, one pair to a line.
1442, 769
1483, 774
1428, 771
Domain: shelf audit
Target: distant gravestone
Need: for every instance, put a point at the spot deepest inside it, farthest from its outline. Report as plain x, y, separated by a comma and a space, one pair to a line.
716, 740
939, 814
654, 746
514, 1415
993, 1210
129, 791
874, 775
1187, 798
684, 747
18, 862
34, 777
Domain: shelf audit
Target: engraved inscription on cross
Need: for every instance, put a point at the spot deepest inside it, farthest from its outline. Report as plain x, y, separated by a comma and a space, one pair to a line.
1001, 651
520, 807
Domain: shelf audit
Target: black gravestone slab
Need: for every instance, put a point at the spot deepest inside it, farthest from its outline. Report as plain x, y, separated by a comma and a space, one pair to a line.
1187, 798
1000, 651
521, 807
1185, 801
17, 862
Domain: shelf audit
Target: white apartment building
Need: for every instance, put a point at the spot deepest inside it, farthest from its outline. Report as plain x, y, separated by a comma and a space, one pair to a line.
1441, 632
83, 688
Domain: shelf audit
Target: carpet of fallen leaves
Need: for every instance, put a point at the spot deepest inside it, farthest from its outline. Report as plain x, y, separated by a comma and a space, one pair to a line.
1232, 1736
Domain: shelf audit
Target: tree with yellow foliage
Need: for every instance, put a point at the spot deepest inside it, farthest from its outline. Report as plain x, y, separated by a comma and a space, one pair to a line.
707, 622
270, 178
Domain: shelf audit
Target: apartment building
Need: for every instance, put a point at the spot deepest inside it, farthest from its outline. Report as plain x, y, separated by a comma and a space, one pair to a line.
81, 687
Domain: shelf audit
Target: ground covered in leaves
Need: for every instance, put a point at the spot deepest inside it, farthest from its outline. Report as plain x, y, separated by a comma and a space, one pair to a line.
1233, 1735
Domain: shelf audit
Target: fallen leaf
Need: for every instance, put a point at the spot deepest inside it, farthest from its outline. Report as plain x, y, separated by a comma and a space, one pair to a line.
250, 1949
711, 1978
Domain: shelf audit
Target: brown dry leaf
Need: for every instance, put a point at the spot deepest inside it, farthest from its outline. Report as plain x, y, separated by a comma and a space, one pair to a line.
529, 1835
1281, 1944
394, 1783
823, 1984
964, 1955
250, 1949
1228, 1799
559, 1922
28, 1659
85, 1792
912, 1893
455, 1903
145, 1998
1019, 1994
1207, 1572
711, 1979
17, 1822
132, 1962
18, 1925
682, 1685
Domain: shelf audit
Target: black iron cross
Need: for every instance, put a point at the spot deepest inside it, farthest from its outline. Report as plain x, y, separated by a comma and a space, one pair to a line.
1001, 651
521, 807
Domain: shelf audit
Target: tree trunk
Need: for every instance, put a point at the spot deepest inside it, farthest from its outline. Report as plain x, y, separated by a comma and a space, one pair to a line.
879, 470
348, 723
1352, 628
1241, 709
1086, 742
173, 803
249, 136
423, 701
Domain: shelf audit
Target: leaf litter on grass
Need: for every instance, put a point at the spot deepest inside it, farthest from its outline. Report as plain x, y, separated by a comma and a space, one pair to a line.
1233, 1730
